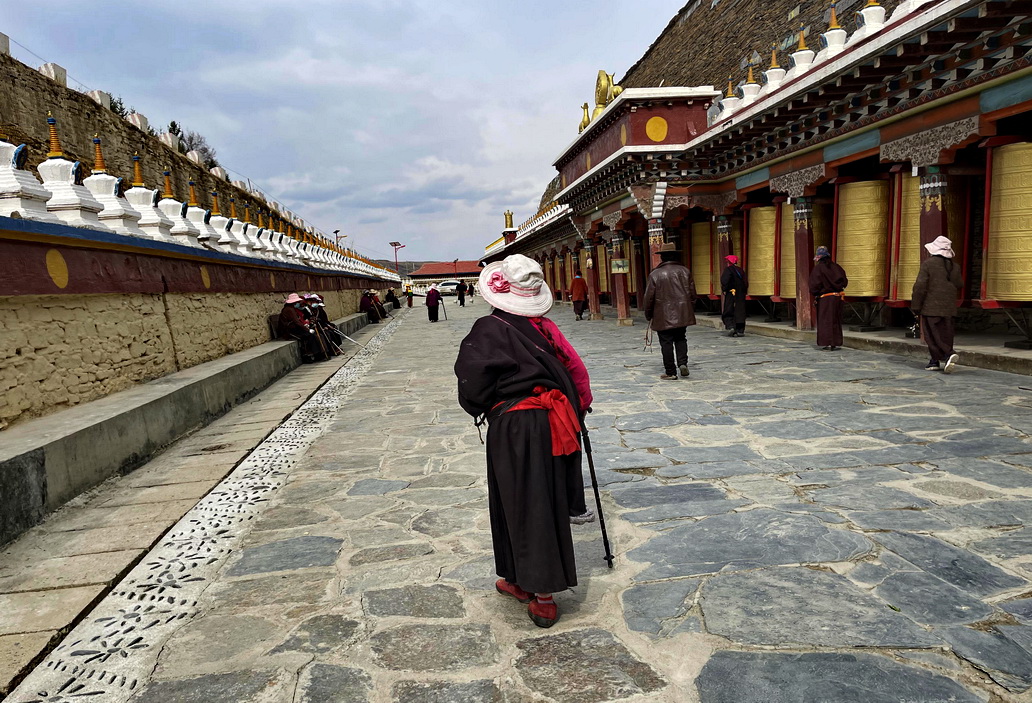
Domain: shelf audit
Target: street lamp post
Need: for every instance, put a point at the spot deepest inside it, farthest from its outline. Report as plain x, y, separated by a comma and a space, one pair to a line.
397, 245
455, 267
338, 236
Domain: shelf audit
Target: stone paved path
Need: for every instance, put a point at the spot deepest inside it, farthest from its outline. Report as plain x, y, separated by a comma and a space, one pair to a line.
790, 525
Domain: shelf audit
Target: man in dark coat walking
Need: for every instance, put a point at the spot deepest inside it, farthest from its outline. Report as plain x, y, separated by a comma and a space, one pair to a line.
735, 286
579, 295
827, 285
669, 296
935, 299
460, 291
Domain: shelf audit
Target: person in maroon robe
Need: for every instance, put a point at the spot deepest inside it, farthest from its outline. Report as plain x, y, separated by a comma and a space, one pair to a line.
734, 284
517, 370
293, 323
827, 283
433, 302
579, 294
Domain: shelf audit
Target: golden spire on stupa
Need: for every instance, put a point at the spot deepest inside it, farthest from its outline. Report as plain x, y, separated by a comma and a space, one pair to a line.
232, 208
98, 156
774, 56
261, 220
872, 3
730, 89
215, 204
750, 79
193, 195
167, 174
833, 21
802, 39
137, 172
55, 143
247, 213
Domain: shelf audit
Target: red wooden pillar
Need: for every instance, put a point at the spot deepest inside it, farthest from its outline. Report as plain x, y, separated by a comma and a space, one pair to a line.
804, 262
621, 296
933, 208
561, 288
591, 278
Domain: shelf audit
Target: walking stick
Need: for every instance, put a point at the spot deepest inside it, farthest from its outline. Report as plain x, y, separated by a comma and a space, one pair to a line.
598, 499
444, 308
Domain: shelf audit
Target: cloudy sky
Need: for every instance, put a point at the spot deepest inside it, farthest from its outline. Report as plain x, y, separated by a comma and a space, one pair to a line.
412, 120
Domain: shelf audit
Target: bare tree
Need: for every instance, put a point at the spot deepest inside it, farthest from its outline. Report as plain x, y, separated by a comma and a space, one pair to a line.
192, 141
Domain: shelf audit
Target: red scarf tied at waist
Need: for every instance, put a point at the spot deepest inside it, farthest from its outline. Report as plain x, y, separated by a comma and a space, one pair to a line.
562, 419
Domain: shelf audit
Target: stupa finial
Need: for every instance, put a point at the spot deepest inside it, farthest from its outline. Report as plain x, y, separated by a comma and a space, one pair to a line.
833, 21
802, 39
193, 195
137, 171
215, 204
98, 156
167, 174
55, 143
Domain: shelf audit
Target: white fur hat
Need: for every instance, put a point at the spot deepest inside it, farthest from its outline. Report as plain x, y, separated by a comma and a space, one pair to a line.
515, 285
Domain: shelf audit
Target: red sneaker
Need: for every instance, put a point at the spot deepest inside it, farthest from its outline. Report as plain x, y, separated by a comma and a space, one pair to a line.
511, 589
543, 614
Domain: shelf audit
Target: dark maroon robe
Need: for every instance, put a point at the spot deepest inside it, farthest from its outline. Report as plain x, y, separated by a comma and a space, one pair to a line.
531, 494
826, 278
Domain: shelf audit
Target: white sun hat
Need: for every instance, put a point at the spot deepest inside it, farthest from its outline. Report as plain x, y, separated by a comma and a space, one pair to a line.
515, 285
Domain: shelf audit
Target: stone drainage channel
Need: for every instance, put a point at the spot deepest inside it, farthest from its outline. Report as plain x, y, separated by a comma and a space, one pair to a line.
111, 652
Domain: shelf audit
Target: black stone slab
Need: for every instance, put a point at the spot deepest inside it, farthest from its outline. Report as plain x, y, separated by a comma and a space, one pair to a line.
930, 600
286, 555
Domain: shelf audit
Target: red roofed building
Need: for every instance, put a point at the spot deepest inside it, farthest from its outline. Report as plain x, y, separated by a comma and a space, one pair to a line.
435, 272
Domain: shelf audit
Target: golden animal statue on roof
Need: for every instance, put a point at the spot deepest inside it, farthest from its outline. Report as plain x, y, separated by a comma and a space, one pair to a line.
585, 120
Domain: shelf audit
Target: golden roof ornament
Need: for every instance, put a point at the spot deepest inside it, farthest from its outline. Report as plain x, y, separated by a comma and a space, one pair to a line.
98, 156
750, 80
730, 89
585, 120
193, 195
232, 208
137, 172
215, 204
833, 22
247, 213
55, 143
167, 175
508, 219
802, 39
774, 56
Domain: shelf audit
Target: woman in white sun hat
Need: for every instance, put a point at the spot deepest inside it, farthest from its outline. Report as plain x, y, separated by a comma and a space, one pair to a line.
934, 298
516, 368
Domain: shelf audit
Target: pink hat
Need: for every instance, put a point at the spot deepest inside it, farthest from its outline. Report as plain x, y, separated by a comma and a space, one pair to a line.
731, 259
293, 298
515, 285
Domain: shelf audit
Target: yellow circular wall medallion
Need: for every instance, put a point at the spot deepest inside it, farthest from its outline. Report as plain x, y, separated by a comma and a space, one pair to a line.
57, 268
656, 129
272, 280
623, 134
205, 278
587, 160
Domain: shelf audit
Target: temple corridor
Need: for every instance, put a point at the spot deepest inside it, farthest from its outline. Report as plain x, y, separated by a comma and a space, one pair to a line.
845, 524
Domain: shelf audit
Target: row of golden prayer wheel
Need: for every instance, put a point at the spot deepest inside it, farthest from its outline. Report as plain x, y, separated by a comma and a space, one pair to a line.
869, 238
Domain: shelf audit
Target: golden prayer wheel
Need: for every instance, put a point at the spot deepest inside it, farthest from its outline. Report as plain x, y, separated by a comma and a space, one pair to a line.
909, 261
1009, 258
761, 250
788, 264
863, 234
701, 243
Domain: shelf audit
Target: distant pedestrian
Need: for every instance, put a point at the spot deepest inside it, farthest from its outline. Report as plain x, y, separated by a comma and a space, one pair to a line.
935, 299
460, 290
472, 292
409, 295
827, 285
669, 297
369, 305
518, 370
734, 284
579, 294
392, 299
433, 302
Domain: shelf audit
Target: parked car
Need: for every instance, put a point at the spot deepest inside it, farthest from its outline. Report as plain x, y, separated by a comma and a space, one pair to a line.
448, 287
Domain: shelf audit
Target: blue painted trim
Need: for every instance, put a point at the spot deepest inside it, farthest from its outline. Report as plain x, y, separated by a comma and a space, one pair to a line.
88, 236
751, 179
852, 145
1010, 93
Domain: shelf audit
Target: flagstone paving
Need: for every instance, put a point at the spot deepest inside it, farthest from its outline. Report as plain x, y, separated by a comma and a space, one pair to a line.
789, 524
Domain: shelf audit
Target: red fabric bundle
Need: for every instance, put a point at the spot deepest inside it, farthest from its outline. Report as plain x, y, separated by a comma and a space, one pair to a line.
562, 419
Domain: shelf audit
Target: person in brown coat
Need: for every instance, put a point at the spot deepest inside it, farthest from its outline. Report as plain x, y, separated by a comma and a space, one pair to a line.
669, 297
579, 295
293, 324
935, 299
828, 282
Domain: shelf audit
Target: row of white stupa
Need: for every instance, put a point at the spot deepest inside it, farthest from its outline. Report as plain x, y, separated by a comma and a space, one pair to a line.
834, 41
94, 203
